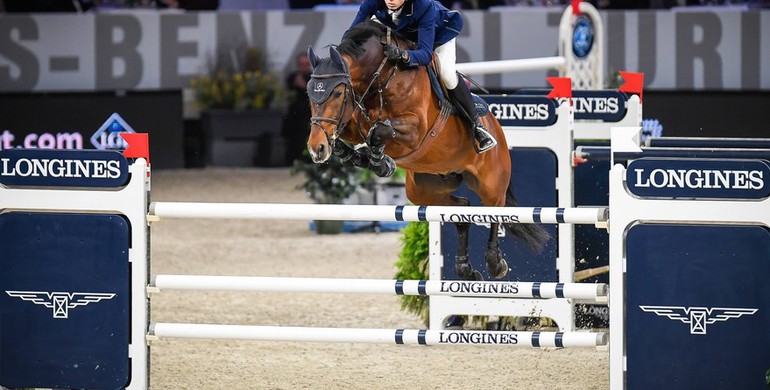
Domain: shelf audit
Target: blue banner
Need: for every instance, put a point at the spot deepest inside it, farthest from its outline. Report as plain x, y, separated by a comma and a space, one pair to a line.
604, 105
698, 178
62, 168
522, 111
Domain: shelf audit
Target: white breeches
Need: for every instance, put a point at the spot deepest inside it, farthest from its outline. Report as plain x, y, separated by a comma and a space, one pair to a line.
447, 55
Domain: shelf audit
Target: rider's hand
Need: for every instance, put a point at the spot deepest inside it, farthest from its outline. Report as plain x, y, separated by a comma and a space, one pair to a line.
395, 53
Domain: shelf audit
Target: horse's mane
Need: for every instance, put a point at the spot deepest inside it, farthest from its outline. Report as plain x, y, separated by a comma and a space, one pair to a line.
353, 42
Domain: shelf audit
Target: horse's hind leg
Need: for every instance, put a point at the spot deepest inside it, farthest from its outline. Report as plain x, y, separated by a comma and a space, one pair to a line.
491, 187
463, 267
425, 189
496, 264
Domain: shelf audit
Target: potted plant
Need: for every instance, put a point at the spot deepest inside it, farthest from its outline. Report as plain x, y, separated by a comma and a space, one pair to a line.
242, 105
330, 182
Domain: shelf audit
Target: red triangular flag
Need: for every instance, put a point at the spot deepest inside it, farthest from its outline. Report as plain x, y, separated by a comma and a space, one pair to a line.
562, 88
138, 145
634, 83
576, 7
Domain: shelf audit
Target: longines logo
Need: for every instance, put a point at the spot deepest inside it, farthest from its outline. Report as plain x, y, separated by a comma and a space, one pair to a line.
597, 105
523, 110
60, 302
698, 317
54, 167
63, 168
514, 111
479, 288
480, 218
699, 178
477, 338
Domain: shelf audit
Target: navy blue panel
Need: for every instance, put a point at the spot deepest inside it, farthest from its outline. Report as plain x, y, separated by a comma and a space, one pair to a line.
680, 280
64, 301
592, 188
533, 173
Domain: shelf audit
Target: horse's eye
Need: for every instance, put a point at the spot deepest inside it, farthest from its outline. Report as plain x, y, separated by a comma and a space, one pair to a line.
337, 93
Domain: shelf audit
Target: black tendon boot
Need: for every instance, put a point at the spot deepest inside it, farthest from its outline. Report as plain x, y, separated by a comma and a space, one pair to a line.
461, 96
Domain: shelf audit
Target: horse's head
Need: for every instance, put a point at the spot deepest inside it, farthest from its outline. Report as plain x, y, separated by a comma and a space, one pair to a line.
331, 102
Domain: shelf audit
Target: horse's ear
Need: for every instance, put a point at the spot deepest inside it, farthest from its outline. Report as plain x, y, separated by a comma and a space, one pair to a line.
337, 58
312, 57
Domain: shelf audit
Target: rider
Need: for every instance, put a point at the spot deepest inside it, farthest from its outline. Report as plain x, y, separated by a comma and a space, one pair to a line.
434, 28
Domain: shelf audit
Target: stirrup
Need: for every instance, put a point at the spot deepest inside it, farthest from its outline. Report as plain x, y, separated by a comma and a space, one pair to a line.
484, 135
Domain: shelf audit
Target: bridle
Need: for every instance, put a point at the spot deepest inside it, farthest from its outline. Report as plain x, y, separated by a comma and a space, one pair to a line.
358, 101
338, 122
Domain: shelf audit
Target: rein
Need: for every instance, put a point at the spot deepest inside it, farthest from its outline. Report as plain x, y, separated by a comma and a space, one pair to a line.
380, 87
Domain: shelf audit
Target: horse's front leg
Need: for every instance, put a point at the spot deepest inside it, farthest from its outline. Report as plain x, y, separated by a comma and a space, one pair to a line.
379, 135
496, 264
350, 156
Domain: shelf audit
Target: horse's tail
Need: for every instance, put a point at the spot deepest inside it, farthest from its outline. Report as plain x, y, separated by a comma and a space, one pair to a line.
532, 234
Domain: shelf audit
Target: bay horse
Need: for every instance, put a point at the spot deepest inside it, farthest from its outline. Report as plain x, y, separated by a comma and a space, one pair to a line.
375, 114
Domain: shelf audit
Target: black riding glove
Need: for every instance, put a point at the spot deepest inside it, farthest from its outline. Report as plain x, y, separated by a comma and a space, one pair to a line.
395, 53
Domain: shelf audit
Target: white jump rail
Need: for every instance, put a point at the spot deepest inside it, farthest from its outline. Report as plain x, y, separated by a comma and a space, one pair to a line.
379, 336
335, 212
460, 288
520, 65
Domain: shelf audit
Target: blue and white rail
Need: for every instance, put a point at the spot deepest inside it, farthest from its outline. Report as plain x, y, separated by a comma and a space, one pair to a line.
596, 292
383, 213
379, 336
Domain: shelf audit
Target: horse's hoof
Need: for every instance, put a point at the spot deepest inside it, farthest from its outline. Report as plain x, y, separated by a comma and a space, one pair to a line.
500, 270
385, 168
454, 322
466, 272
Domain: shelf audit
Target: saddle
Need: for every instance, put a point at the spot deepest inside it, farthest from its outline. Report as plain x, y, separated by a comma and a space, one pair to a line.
482, 107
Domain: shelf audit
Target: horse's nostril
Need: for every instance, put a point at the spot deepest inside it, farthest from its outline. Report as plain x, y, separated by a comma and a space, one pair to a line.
321, 150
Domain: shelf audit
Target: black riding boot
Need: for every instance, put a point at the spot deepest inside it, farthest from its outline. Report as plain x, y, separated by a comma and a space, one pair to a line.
461, 96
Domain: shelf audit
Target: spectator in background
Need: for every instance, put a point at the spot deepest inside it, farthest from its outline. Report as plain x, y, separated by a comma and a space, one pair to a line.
295, 128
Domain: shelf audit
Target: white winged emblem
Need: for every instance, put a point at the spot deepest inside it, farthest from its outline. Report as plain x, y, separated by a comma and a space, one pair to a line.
698, 317
60, 302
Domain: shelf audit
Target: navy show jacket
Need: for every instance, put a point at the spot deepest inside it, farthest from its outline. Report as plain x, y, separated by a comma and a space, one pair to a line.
426, 22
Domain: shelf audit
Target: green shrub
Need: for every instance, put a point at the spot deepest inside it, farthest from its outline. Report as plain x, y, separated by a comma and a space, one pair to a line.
413, 264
